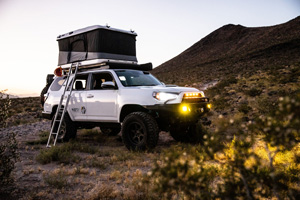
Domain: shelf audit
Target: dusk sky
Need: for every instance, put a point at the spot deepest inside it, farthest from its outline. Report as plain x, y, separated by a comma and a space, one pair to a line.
165, 28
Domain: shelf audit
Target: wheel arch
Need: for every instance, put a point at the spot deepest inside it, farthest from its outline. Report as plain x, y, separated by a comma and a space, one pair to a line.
130, 108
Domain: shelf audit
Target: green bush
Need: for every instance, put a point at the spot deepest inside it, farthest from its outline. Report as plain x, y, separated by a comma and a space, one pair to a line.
262, 161
64, 153
61, 154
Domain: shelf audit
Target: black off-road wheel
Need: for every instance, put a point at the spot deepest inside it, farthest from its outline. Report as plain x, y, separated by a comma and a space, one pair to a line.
192, 133
111, 131
67, 131
140, 131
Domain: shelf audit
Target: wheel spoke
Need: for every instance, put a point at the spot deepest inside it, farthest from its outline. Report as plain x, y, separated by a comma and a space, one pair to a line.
136, 133
135, 138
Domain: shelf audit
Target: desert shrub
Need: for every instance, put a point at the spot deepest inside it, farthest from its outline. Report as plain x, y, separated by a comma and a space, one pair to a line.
293, 76
64, 153
5, 104
266, 106
219, 88
253, 92
59, 154
220, 103
56, 179
8, 146
96, 162
103, 191
244, 108
8, 158
228, 81
260, 162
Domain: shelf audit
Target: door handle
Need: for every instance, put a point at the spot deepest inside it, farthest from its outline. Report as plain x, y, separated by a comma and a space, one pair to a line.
90, 96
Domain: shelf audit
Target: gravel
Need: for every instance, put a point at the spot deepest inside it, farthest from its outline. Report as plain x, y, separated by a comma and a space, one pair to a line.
26, 129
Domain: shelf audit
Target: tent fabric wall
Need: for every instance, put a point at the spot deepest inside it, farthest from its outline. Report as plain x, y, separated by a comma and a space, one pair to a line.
97, 44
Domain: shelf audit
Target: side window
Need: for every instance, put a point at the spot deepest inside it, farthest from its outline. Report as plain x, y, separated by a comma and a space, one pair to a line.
57, 83
80, 82
99, 78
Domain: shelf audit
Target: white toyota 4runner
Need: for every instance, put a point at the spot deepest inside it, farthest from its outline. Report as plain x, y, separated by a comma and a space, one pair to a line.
129, 101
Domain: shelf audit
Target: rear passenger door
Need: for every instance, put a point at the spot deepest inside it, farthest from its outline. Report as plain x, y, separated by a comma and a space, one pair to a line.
77, 104
101, 102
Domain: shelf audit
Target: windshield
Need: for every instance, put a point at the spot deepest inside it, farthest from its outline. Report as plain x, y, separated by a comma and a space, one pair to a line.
130, 78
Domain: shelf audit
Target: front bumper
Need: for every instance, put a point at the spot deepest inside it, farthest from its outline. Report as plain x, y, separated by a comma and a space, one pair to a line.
185, 111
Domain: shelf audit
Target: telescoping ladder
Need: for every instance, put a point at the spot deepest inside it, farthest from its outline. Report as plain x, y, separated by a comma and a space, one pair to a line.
61, 110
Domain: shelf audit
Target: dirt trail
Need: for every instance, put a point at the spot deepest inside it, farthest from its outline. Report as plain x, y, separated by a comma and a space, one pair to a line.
112, 165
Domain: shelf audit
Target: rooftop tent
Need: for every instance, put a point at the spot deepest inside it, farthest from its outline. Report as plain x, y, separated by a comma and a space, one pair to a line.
96, 42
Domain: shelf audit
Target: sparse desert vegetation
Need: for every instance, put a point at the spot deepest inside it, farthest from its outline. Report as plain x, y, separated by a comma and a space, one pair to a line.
251, 151
251, 143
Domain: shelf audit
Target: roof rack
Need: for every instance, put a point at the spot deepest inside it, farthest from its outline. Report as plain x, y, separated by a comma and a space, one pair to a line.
112, 65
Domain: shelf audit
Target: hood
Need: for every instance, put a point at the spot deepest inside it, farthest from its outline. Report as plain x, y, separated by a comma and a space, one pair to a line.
161, 88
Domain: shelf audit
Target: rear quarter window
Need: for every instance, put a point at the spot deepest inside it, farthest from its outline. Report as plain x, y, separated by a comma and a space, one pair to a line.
57, 83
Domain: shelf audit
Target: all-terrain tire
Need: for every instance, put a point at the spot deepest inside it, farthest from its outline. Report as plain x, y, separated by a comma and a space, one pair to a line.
187, 133
67, 131
140, 131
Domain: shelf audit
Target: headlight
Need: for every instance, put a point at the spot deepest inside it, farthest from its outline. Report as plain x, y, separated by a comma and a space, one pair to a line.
162, 96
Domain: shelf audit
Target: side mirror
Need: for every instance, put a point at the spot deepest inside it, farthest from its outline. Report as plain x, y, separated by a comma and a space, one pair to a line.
108, 85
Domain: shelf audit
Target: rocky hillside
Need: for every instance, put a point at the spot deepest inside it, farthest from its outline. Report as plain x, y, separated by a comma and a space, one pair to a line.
234, 49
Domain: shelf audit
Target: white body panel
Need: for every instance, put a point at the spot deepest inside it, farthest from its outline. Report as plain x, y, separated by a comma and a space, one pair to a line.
106, 105
102, 105
77, 106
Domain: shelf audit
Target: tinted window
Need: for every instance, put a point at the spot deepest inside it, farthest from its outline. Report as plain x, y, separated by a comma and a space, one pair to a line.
80, 82
100, 78
57, 83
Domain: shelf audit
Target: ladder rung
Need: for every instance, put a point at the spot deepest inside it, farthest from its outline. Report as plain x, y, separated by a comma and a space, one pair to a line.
62, 108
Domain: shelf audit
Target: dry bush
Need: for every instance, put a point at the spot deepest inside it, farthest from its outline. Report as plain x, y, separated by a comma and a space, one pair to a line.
5, 104
262, 161
8, 147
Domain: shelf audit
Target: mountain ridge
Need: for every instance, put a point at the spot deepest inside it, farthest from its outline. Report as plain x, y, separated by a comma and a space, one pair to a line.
234, 49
